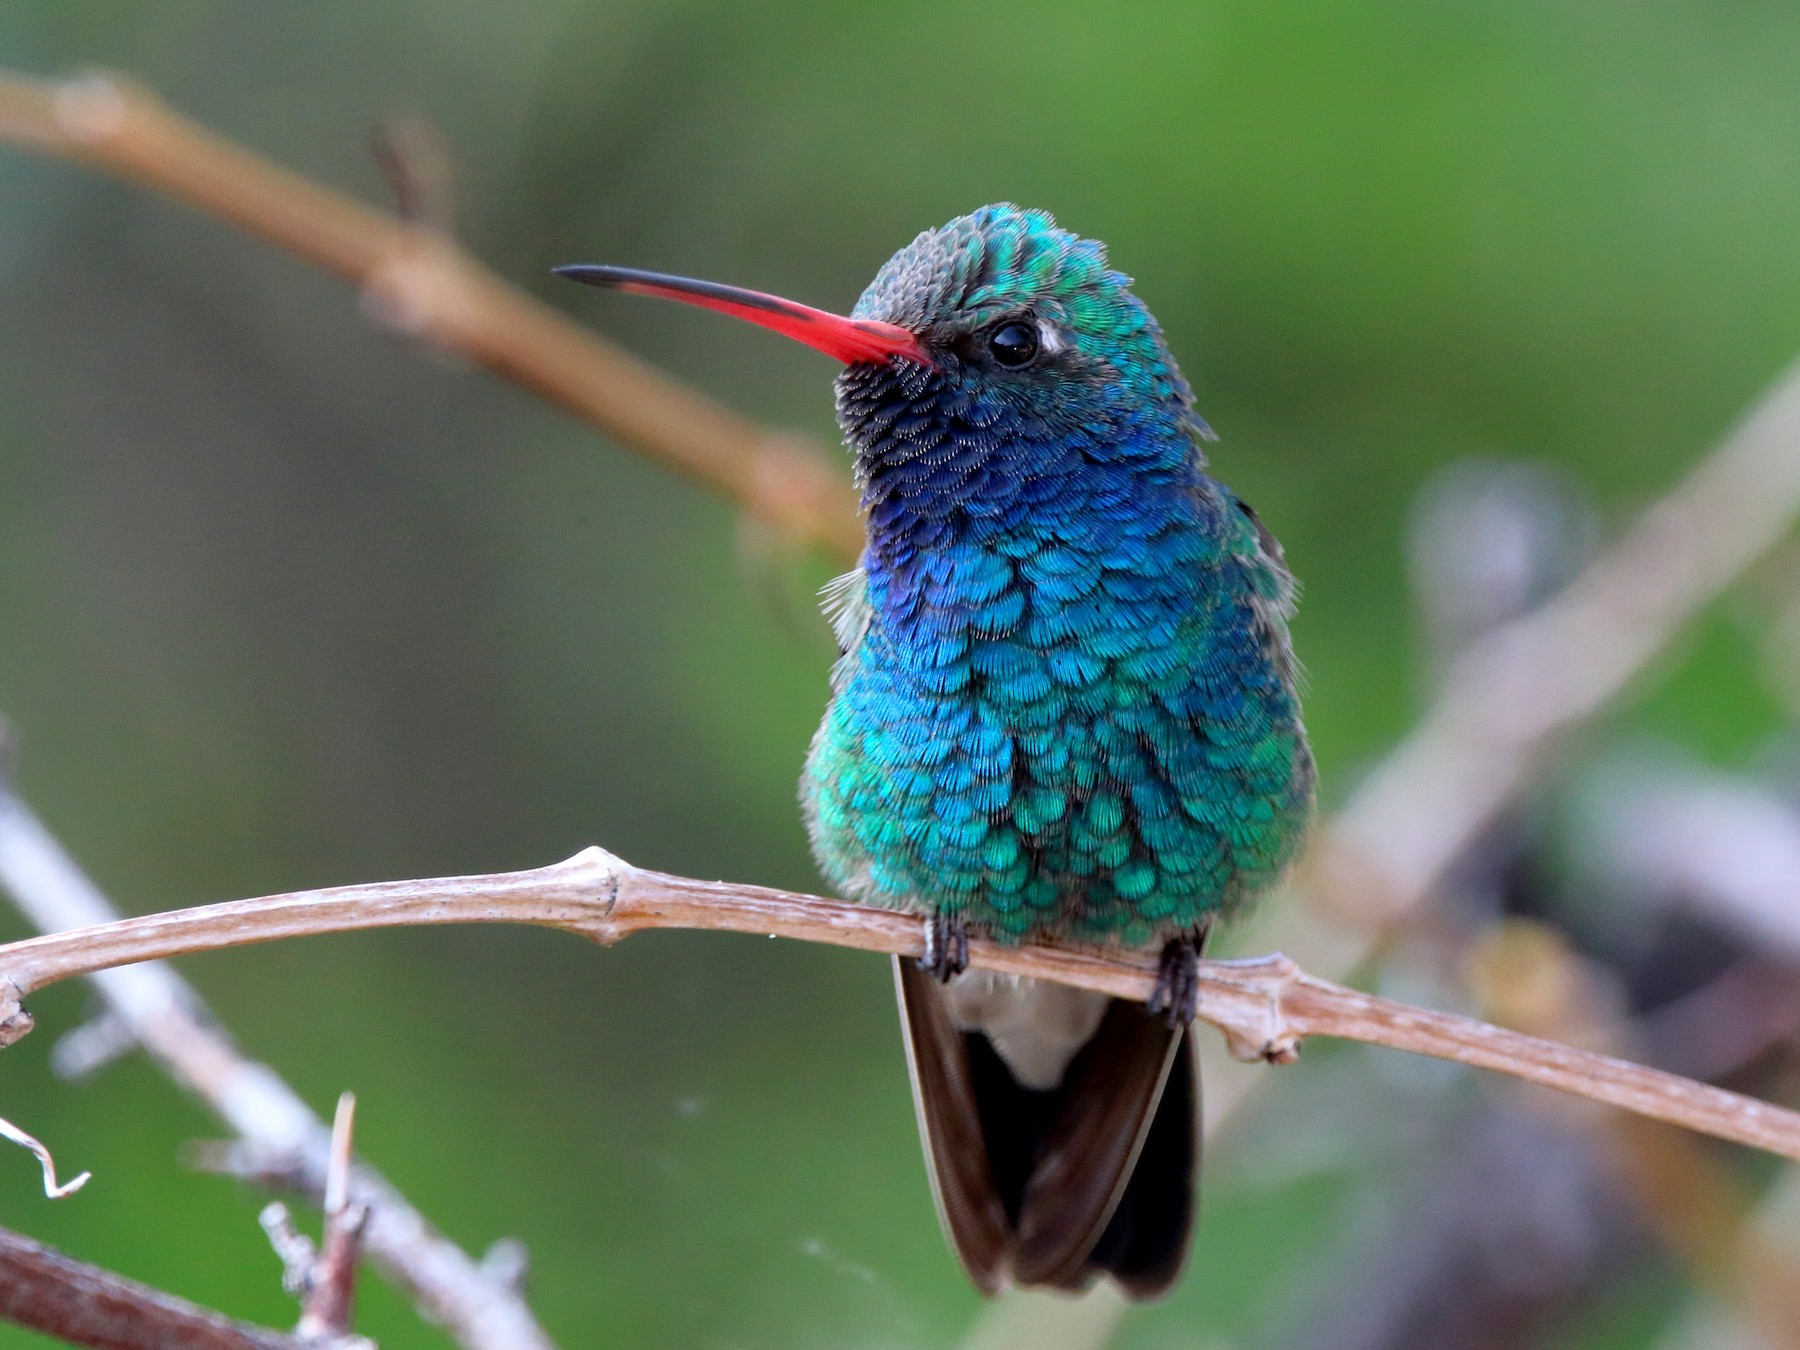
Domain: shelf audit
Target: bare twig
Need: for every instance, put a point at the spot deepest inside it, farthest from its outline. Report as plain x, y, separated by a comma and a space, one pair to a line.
1264, 1007
11, 1131
330, 1301
415, 159
323, 1278
270, 1119
423, 284
42, 1289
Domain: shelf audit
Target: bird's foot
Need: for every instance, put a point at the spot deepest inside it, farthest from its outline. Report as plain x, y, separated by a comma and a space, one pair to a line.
1177, 991
946, 947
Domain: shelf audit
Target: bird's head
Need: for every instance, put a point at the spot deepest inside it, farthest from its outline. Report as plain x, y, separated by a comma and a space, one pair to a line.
998, 343
1014, 311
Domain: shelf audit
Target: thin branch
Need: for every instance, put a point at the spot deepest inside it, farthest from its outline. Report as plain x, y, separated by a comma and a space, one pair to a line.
1515, 695
1264, 1007
330, 1303
167, 1017
52, 1188
42, 1289
421, 283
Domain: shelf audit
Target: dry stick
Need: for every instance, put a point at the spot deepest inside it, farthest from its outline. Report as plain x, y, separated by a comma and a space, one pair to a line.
421, 283
330, 1304
53, 1189
1265, 1007
42, 1289
165, 1015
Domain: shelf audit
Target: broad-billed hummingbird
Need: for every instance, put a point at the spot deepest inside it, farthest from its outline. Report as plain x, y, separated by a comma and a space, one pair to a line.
1065, 709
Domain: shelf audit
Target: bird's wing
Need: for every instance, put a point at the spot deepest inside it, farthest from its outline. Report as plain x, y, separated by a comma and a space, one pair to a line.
1107, 1102
962, 1182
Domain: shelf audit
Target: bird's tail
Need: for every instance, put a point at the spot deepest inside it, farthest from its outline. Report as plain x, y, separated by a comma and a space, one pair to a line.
1056, 1187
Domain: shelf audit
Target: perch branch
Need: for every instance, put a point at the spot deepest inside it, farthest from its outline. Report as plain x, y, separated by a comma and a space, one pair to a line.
1264, 1007
420, 282
42, 1289
271, 1121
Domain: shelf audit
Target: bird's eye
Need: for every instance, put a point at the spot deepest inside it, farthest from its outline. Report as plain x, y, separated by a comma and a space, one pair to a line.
1014, 344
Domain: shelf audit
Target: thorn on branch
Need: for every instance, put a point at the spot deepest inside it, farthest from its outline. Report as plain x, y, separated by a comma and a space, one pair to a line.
331, 1299
414, 156
507, 1263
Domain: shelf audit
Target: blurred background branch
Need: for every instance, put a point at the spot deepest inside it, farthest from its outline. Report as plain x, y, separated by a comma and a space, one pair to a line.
417, 281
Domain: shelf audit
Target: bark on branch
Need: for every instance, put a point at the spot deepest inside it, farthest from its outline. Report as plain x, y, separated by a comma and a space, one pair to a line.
1264, 1007
42, 1289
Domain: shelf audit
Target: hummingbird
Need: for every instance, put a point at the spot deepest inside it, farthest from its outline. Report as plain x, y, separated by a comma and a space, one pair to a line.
1065, 709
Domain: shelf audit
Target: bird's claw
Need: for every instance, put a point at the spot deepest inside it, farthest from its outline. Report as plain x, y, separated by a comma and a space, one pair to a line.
1177, 991
946, 947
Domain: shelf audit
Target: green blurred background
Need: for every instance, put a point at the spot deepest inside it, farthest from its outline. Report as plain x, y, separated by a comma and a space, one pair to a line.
285, 601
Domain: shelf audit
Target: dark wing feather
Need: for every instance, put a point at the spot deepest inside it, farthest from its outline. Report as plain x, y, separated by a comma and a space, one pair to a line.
1146, 1243
1106, 1105
944, 1094
1057, 1187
